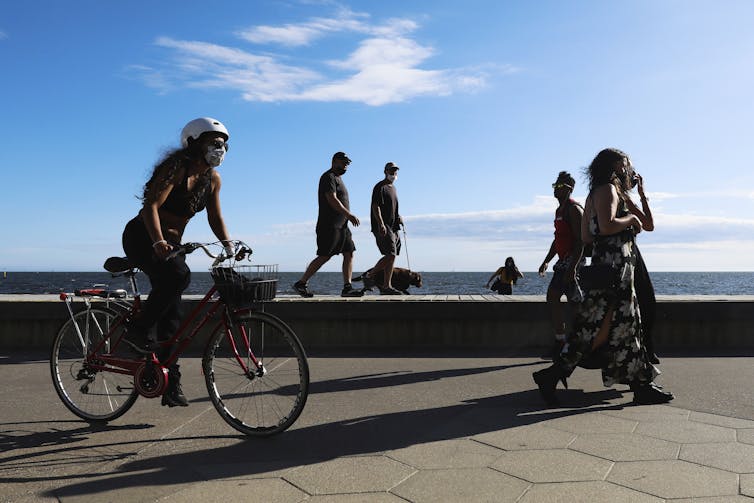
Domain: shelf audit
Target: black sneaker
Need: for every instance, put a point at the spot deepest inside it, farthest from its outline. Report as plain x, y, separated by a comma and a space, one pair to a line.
349, 291
390, 291
175, 397
302, 289
650, 394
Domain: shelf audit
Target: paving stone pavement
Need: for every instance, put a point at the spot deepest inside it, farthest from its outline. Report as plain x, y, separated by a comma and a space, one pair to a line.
392, 428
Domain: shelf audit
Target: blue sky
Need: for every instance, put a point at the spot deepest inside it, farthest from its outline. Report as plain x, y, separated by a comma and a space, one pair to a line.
481, 103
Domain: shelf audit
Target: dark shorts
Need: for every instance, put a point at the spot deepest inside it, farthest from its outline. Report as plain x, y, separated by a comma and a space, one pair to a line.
558, 282
334, 241
388, 244
501, 288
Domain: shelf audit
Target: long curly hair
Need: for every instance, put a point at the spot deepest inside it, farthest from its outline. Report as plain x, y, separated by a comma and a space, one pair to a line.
166, 170
602, 170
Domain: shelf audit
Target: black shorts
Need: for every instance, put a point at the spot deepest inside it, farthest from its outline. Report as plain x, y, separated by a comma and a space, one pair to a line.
333, 241
558, 283
388, 244
501, 288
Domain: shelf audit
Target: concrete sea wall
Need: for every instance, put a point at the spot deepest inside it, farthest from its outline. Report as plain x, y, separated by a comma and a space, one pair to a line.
29, 322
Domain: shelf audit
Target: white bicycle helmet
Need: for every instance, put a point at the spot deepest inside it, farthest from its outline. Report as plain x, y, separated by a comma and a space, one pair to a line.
196, 127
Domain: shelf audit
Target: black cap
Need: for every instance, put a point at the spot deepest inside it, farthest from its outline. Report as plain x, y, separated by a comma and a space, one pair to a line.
391, 166
340, 155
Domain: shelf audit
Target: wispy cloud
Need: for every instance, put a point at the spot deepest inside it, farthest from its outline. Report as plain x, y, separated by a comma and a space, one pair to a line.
479, 240
719, 194
532, 223
385, 64
3, 35
299, 34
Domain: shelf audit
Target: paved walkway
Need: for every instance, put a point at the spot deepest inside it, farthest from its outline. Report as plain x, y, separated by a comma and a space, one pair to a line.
396, 428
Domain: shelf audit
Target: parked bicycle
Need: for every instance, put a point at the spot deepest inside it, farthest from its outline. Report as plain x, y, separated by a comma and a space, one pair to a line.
254, 366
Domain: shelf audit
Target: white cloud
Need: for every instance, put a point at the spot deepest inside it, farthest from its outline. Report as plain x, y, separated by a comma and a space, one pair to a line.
685, 222
477, 240
258, 77
151, 77
345, 20
383, 66
3, 35
718, 194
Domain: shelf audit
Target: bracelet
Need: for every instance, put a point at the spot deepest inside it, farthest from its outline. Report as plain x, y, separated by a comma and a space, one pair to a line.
158, 242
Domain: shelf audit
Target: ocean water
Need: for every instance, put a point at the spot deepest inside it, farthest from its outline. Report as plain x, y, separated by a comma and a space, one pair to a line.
330, 283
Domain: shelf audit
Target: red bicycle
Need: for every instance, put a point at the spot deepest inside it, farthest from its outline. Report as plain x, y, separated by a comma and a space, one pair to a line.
254, 366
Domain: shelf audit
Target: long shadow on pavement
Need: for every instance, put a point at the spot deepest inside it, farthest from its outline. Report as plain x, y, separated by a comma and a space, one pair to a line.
360, 436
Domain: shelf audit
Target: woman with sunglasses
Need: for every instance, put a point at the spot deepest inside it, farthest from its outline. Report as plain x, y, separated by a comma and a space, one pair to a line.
183, 183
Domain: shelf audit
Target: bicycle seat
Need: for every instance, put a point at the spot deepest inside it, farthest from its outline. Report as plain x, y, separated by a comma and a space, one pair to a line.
101, 292
118, 265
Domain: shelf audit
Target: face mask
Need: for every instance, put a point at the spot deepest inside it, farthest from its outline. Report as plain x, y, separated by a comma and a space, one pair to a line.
214, 156
392, 177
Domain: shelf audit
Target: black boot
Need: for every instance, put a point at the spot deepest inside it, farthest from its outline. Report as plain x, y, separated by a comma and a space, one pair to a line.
649, 394
547, 380
174, 396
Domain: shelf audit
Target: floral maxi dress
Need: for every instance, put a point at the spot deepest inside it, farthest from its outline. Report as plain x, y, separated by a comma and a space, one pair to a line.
626, 357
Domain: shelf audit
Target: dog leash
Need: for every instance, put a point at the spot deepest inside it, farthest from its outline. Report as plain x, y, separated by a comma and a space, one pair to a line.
405, 245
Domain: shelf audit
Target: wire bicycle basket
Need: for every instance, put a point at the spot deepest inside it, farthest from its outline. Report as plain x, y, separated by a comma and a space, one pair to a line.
244, 284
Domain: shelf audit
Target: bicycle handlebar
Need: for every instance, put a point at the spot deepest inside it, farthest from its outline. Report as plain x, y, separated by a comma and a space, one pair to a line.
242, 251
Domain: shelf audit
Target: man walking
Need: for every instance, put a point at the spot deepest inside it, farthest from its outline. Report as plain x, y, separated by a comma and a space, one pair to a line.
567, 245
333, 234
386, 222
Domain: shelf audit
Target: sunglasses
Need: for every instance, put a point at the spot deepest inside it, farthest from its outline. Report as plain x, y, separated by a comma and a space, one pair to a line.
218, 143
561, 185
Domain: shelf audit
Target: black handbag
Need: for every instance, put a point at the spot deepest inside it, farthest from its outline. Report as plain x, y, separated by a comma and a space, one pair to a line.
598, 277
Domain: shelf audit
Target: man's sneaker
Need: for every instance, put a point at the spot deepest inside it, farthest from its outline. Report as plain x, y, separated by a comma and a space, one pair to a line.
302, 289
390, 291
349, 291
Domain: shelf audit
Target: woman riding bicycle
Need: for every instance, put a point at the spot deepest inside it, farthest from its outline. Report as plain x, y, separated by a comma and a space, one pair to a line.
183, 183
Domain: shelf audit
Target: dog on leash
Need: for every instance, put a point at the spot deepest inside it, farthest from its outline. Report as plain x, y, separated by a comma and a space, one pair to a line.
402, 279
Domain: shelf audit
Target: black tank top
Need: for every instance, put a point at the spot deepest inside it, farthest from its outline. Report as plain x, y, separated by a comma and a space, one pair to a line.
185, 203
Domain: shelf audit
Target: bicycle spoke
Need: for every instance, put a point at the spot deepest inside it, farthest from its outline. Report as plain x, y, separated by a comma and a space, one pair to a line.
93, 395
257, 403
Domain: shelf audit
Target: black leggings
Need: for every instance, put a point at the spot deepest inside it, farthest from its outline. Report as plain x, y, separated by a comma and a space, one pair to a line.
168, 278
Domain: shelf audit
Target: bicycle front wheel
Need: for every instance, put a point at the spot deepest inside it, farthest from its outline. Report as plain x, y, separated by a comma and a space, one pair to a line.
257, 374
94, 395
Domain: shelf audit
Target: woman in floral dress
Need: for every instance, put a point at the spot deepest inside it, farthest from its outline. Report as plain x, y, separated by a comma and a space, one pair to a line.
608, 319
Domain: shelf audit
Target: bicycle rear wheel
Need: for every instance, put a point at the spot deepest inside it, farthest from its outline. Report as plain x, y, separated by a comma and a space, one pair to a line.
94, 395
262, 398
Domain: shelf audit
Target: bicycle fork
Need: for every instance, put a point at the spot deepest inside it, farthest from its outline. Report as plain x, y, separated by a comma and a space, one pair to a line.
257, 368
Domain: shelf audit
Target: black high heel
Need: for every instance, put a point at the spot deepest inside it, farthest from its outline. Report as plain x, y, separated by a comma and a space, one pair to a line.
547, 381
